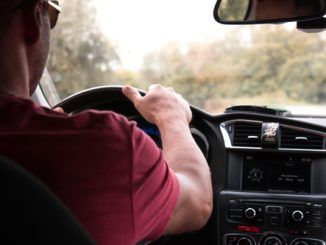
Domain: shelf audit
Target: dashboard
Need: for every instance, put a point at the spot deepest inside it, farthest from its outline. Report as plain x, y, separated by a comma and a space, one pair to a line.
268, 172
275, 188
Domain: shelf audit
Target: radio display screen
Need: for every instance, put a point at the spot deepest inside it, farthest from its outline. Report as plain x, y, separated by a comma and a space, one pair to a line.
277, 175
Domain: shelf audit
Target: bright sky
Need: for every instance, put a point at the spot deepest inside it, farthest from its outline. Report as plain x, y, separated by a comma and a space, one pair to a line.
139, 26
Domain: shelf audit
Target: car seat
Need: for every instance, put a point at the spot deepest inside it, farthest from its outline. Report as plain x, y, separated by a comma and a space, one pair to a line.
31, 214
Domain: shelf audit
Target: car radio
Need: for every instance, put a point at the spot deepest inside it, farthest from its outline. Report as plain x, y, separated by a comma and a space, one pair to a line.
270, 219
276, 213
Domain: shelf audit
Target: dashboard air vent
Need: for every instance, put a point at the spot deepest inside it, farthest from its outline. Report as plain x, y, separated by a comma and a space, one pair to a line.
247, 134
297, 139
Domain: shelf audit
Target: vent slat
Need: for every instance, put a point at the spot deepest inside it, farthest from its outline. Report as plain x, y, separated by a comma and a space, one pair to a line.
249, 130
288, 139
309, 139
245, 136
244, 129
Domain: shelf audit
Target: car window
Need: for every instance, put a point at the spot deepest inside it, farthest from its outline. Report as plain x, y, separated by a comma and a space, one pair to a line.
178, 44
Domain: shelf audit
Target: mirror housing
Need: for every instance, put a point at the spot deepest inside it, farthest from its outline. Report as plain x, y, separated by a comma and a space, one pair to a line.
268, 11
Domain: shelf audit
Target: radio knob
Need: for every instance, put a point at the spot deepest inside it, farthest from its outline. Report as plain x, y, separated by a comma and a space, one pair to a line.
272, 240
301, 242
297, 216
250, 213
244, 241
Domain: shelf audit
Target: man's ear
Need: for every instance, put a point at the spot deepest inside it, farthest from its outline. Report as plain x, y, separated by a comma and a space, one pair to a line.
33, 22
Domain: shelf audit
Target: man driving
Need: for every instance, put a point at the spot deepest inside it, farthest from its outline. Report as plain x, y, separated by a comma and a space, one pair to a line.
115, 180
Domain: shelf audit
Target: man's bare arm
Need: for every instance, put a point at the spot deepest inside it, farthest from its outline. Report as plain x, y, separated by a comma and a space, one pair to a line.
172, 114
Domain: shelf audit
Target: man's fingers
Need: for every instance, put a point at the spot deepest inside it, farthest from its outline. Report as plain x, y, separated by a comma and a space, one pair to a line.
58, 109
171, 89
132, 94
154, 86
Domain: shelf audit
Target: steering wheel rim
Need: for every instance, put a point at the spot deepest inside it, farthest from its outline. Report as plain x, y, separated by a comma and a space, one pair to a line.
95, 98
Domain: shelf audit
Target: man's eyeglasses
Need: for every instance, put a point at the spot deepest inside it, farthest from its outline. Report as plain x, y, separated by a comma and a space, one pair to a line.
54, 10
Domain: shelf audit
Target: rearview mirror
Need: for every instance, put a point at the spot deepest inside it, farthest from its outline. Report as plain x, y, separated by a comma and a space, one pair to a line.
267, 11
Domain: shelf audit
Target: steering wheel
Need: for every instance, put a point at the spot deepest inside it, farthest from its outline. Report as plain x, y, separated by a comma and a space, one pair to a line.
100, 98
111, 98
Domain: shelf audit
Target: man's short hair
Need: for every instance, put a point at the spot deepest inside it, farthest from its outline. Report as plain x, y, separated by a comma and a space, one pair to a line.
5, 13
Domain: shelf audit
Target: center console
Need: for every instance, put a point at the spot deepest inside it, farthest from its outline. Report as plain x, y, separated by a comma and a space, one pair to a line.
274, 199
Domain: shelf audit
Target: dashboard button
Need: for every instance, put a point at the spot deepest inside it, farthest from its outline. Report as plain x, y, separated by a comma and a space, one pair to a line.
232, 240
274, 209
304, 232
317, 224
252, 229
301, 232
259, 221
317, 212
274, 220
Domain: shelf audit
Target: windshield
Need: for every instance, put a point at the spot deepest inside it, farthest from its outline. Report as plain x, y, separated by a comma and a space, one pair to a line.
178, 44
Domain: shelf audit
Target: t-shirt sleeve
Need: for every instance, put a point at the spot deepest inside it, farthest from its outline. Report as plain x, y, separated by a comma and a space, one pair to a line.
155, 188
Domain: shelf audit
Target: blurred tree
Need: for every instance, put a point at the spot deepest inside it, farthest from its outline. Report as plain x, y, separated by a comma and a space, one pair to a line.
263, 62
80, 55
308, 84
287, 60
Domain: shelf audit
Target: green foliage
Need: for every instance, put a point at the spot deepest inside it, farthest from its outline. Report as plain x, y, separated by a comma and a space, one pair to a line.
80, 56
274, 59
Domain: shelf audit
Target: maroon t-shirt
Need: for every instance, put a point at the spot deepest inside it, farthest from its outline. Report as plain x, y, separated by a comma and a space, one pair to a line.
108, 172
